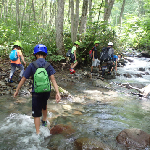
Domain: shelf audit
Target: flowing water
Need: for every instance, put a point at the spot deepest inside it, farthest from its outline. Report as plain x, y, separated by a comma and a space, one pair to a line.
100, 120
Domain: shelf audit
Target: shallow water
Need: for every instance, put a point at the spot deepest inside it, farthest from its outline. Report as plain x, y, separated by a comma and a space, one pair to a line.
100, 120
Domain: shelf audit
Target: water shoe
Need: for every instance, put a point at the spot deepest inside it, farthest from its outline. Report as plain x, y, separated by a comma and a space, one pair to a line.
44, 123
10, 80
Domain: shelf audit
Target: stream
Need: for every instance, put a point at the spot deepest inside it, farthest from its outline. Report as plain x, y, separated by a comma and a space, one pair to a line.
102, 113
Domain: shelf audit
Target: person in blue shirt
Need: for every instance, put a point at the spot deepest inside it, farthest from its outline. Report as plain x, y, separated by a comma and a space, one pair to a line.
115, 63
39, 100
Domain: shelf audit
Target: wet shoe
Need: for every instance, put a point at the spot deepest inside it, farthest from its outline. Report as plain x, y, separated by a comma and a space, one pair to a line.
44, 123
10, 80
72, 72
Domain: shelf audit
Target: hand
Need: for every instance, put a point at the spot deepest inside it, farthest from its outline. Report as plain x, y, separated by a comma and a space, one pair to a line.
58, 97
15, 94
93, 59
25, 63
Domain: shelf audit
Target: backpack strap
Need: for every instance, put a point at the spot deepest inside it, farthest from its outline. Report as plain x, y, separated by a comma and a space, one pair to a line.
47, 65
35, 64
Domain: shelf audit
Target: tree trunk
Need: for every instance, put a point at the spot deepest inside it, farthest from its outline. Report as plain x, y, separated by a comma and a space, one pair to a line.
90, 12
33, 10
17, 14
2, 8
69, 8
23, 14
74, 20
59, 27
122, 10
83, 17
108, 7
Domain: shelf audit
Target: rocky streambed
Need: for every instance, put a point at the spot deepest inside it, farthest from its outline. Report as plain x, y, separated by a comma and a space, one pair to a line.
91, 115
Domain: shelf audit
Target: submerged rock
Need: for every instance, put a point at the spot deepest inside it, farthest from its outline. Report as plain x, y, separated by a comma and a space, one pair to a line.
90, 144
134, 138
100, 83
62, 129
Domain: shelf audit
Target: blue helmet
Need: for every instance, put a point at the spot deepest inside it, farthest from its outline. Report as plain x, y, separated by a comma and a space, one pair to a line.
40, 48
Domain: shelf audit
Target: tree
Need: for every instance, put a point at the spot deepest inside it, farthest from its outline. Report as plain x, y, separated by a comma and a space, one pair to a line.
82, 28
122, 10
59, 27
108, 7
74, 20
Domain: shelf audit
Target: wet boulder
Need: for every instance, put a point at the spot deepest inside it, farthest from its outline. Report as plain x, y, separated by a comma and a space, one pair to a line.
138, 75
62, 129
100, 83
90, 144
134, 138
127, 75
141, 69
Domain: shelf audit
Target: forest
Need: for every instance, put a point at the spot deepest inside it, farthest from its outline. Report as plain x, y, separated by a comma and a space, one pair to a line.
59, 23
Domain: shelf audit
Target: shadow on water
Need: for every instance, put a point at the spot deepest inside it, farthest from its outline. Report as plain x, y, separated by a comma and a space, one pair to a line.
102, 114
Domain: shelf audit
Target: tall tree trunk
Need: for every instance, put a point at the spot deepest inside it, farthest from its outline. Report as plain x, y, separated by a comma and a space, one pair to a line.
23, 14
90, 12
83, 17
59, 27
69, 8
33, 8
17, 14
2, 8
74, 20
76, 23
122, 10
46, 11
108, 7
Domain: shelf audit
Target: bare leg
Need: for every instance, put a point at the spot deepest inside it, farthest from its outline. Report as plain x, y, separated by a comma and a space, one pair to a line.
44, 112
75, 64
37, 124
99, 67
72, 65
91, 68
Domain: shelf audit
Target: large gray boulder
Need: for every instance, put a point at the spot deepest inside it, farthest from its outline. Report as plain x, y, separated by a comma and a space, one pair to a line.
134, 138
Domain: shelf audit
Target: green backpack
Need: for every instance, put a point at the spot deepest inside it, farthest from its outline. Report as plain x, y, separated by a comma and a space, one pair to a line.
41, 79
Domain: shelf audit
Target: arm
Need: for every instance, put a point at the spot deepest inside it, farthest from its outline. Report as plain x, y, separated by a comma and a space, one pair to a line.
52, 78
75, 54
19, 86
93, 55
22, 58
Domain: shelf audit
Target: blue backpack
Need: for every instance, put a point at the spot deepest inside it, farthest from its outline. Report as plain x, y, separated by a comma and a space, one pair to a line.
13, 55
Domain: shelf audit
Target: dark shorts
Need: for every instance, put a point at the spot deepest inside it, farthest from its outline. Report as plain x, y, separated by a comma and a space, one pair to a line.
39, 102
72, 58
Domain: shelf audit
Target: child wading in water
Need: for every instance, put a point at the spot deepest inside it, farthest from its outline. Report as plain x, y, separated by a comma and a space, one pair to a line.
73, 57
39, 100
17, 63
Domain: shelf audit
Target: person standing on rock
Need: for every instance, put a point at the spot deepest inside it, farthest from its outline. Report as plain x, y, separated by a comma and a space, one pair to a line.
39, 99
17, 63
95, 61
73, 57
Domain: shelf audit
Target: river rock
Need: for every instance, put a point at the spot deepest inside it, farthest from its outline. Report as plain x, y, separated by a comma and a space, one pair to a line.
141, 69
62, 129
134, 138
2, 83
127, 75
138, 75
90, 144
100, 83
77, 113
